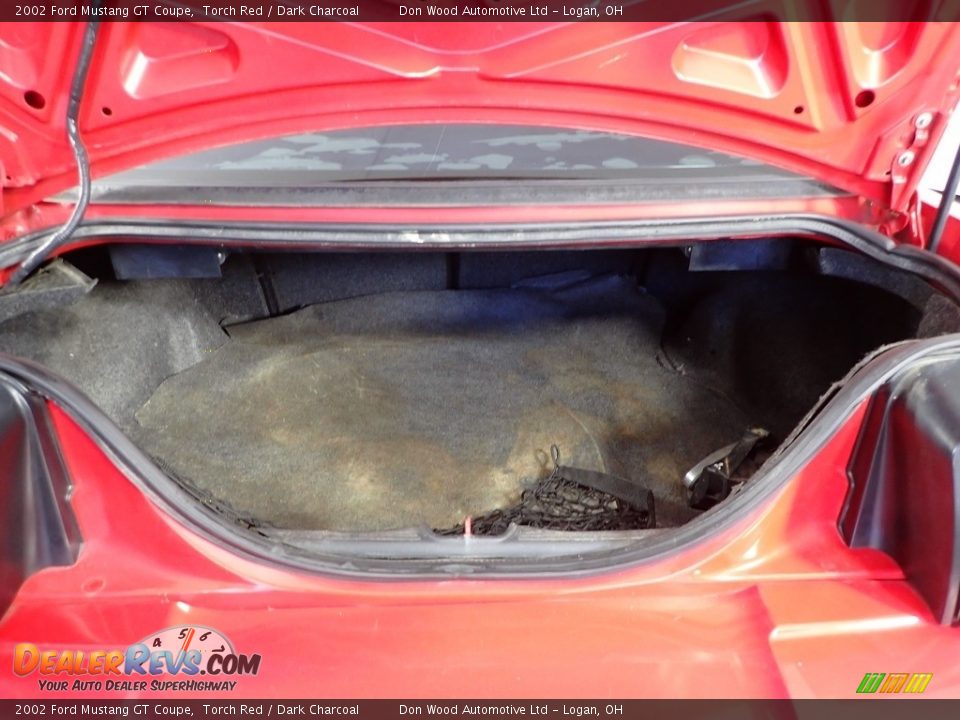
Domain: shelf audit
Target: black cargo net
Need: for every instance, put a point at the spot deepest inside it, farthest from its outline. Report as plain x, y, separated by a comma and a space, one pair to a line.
559, 503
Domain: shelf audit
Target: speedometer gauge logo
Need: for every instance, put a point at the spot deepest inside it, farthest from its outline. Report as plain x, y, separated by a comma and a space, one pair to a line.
206, 640
190, 650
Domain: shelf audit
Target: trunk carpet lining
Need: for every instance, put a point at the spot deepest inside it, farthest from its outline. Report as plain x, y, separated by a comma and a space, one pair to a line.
410, 408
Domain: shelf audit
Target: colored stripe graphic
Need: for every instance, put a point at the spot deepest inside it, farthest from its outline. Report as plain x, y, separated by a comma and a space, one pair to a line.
871, 682
892, 683
918, 682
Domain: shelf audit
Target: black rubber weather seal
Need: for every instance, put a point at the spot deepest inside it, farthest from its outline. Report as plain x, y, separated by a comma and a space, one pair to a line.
937, 270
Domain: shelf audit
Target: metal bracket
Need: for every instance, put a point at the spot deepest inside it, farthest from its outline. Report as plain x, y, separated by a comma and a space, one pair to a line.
709, 481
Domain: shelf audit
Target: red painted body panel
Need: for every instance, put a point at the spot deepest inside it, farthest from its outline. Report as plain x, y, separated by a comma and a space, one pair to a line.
838, 101
776, 607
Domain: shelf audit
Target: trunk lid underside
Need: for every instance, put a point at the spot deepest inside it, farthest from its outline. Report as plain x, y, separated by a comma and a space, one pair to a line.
858, 106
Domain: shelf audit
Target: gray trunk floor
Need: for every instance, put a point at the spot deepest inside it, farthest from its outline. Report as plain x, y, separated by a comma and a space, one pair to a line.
413, 408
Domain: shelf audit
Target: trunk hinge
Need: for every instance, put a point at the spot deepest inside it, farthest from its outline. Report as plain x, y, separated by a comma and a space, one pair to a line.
907, 227
901, 170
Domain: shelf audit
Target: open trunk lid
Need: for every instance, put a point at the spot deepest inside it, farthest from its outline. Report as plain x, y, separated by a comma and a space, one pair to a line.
856, 105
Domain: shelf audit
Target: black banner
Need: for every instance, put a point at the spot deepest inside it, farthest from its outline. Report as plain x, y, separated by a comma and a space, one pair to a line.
477, 10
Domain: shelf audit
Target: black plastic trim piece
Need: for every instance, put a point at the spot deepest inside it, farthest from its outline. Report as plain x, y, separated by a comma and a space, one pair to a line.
37, 526
904, 473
